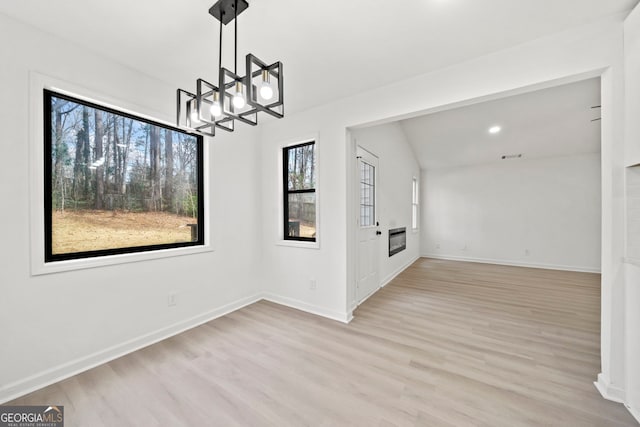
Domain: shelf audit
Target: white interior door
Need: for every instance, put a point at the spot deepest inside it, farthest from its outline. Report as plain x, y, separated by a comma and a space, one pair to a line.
368, 280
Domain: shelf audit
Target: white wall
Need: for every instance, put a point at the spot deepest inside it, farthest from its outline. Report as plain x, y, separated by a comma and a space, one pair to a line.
633, 339
632, 86
530, 212
287, 270
632, 291
632, 157
397, 166
587, 51
54, 324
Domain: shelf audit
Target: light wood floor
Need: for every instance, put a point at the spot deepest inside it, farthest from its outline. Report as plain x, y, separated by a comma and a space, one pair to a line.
445, 344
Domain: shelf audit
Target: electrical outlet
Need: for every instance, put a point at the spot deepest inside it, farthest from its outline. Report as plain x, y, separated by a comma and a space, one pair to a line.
526, 252
464, 248
313, 284
172, 299
437, 245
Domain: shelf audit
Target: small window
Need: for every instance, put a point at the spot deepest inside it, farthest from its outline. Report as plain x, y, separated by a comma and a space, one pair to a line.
299, 183
116, 183
414, 204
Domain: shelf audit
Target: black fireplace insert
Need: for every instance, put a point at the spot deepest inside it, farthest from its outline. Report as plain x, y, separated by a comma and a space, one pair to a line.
397, 240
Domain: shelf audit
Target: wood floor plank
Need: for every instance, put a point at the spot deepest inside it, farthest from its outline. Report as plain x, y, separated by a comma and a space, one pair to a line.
444, 344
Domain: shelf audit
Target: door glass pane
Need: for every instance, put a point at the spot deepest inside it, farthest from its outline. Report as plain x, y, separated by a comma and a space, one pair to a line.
302, 215
367, 194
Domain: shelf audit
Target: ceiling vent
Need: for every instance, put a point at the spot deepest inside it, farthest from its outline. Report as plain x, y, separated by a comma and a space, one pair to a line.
511, 156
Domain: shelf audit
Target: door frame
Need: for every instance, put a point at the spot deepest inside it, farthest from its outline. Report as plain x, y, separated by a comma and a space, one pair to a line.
610, 95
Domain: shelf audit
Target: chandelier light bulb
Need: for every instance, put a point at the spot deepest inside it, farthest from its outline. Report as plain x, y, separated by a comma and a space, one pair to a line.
194, 113
238, 98
216, 109
266, 90
239, 101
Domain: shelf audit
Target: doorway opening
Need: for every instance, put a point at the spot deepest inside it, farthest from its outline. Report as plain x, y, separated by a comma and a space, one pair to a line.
524, 186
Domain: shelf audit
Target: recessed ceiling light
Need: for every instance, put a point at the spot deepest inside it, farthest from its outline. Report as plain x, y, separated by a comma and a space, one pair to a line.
495, 129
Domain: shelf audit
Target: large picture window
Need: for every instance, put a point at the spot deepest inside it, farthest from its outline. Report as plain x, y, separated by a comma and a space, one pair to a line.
299, 179
116, 183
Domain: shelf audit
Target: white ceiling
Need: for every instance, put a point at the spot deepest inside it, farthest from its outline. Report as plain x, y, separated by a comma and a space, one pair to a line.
544, 123
330, 48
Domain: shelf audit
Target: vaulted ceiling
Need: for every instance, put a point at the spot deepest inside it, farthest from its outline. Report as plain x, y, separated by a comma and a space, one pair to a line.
551, 122
330, 48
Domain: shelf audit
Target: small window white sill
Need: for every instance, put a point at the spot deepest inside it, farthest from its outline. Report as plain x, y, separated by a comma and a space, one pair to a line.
39, 267
298, 244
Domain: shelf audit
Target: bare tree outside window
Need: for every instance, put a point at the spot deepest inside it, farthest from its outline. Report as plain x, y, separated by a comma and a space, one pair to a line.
117, 183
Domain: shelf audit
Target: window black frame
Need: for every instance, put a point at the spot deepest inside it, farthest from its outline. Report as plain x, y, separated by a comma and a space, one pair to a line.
286, 191
49, 256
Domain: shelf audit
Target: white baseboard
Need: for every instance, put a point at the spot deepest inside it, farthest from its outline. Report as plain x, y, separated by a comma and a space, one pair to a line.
349, 316
393, 275
309, 308
61, 372
615, 394
513, 263
608, 391
634, 411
